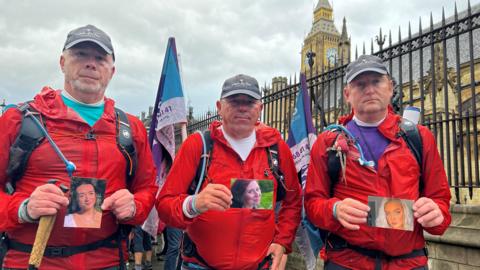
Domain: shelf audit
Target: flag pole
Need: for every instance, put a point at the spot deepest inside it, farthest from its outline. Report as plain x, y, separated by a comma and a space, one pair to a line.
169, 110
183, 125
184, 131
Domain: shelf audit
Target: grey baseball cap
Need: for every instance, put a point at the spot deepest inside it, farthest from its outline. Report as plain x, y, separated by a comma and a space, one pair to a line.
89, 33
241, 84
363, 64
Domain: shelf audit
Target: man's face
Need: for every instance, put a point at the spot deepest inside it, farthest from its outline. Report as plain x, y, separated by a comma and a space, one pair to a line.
86, 197
239, 114
369, 95
88, 70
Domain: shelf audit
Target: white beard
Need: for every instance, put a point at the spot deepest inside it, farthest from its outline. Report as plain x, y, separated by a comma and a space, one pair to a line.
88, 88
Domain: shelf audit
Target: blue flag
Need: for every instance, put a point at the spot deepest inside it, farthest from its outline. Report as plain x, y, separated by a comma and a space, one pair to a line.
170, 104
301, 137
301, 134
169, 109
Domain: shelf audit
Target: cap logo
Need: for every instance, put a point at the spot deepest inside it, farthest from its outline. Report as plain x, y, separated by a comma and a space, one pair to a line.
126, 134
89, 33
241, 82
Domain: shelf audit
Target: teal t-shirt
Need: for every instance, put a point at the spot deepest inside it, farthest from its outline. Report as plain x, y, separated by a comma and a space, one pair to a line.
89, 113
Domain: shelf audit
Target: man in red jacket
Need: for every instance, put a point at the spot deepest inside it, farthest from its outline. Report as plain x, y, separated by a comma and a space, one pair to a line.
82, 123
226, 237
394, 173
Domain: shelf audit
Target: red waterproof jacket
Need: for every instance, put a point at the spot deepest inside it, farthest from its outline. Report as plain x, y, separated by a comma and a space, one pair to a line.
98, 158
236, 238
397, 176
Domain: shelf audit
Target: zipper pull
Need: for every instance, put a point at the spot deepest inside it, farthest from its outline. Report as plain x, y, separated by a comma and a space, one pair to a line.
90, 135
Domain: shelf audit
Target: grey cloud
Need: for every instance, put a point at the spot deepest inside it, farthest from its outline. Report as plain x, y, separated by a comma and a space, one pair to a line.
215, 39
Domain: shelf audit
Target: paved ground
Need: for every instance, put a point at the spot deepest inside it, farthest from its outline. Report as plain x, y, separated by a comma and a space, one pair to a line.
157, 265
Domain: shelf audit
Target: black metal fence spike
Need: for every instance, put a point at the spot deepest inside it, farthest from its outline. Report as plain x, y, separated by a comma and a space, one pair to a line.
423, 69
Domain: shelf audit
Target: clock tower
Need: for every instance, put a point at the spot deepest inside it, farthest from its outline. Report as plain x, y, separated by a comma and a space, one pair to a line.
324, 41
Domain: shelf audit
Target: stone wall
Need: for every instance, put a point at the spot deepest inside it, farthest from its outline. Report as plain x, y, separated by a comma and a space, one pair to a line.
457, 249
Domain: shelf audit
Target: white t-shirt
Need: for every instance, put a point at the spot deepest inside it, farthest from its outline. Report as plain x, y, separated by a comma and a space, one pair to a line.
244, 146
365, 124
69, 221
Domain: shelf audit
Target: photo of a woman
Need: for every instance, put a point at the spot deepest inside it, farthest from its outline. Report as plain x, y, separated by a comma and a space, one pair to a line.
395, 214
246, 194
84, 209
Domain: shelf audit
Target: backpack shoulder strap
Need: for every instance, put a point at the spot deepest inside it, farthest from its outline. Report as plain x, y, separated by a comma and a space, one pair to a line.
274, 164
408, 131
125, 143
204, 163
29, 137
333, 164
411, 135
189, 249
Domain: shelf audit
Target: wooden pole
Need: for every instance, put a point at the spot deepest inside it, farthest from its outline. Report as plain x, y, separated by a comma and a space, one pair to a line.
184, 131
45, 227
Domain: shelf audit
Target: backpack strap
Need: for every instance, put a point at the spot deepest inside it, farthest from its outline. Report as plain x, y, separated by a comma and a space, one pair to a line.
411, 135
334, 165
204, 163
188, 248
408, 131
29, 137
274, 164
125, 143
65, 251
317, 236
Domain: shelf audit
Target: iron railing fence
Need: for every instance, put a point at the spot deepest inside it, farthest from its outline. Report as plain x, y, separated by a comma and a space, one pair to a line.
436, 69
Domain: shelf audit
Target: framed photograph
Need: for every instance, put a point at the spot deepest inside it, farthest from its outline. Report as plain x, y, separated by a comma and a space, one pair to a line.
86, 197
390, 213
252, 193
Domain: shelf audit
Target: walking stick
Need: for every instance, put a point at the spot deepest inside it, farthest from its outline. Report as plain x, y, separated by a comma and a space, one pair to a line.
45, 227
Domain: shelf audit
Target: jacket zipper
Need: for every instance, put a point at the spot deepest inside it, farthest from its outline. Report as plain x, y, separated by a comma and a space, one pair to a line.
90, 139
389, 148
242, 165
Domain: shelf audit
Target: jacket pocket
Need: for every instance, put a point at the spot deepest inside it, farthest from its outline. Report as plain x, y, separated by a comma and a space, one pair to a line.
404, 175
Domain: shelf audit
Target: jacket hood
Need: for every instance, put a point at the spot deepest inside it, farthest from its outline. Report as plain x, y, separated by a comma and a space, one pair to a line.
344, 119
50, 104
265, 135
389, 127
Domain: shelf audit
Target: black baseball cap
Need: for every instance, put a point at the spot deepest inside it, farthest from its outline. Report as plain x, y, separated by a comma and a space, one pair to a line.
241, 84
363, 64
89, 33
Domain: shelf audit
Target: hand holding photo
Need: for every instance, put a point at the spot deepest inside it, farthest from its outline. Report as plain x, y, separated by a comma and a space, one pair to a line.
252, 193
86, 196
391, 213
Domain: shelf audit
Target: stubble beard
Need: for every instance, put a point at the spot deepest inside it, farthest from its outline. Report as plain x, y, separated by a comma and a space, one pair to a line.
88, 88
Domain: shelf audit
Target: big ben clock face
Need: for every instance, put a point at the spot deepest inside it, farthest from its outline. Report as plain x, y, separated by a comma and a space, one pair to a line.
331, 55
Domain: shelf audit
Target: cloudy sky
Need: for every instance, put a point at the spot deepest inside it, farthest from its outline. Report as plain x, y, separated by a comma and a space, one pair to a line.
215, 39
